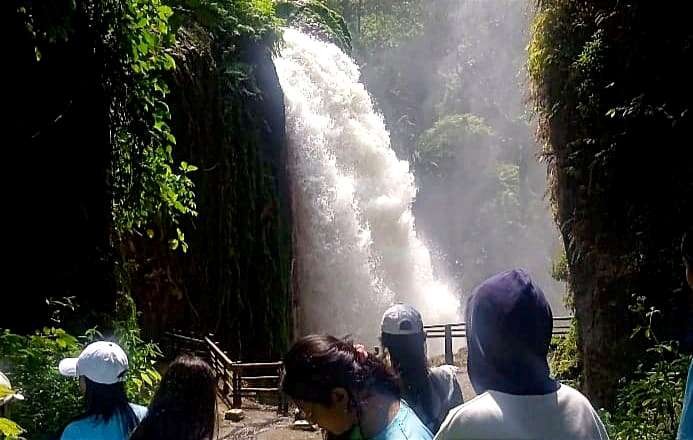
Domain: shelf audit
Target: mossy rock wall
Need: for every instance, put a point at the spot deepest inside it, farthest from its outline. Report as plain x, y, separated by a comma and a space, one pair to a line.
234, 279
614, 99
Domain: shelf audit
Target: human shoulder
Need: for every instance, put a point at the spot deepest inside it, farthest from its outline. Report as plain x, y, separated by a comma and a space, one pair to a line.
405, 426
577, 407
573, 397
483, 403
75, 430
443, 377
469, 419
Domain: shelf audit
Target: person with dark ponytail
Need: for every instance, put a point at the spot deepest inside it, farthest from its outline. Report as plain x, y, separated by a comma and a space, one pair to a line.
348, 392
184, 406
101, 368
431, 392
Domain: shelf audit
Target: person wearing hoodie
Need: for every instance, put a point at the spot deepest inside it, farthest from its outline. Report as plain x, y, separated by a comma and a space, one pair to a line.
509, 325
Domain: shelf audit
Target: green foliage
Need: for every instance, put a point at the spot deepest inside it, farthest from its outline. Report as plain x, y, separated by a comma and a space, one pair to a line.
133, 39
224, 49
235, 23
9, 429
438, 146
389, 24
559, 272
396, 24
648, 402
147, 188
143, 378
30, 362
316, 18
613, 103
564, 357
236, 20
559, 267
52, 400
649, 406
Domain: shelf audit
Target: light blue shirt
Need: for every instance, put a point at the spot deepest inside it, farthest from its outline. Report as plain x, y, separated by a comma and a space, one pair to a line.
686, 425
405, 426
92, 429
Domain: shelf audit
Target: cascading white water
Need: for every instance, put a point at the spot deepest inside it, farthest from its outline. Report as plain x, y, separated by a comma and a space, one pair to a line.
357, 250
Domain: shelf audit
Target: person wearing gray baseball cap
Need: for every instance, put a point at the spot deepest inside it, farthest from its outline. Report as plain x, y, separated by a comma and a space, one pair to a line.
431, 392
101, 368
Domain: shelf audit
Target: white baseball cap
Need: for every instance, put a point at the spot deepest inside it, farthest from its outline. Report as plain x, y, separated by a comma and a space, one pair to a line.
101, 362
4, 381
402, 319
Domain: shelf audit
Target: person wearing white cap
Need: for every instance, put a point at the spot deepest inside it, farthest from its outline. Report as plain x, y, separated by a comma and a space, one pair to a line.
101, 368
431, 392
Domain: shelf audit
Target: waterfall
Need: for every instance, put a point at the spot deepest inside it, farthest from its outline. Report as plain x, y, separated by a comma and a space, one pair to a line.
356, 247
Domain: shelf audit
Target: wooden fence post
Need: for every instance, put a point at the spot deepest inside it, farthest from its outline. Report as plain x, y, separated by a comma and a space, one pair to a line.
449, 358
236, 401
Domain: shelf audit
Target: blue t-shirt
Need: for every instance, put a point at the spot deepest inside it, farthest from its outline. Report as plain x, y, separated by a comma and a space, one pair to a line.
405, 426
92, 429
686, 425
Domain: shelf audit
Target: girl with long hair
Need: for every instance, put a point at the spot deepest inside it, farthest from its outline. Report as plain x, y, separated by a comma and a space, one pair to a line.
184, 406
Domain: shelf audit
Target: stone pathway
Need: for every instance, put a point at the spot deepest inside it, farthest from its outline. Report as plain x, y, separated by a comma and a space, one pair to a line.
261, 422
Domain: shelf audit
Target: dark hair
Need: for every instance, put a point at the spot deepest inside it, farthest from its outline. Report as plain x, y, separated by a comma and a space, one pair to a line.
408, 357
687, 248
105, 401
317, 364
184, 406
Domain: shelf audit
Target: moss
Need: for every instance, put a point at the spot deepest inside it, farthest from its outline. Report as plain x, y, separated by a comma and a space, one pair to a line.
316, 18
613, 103
564, 357
227, 114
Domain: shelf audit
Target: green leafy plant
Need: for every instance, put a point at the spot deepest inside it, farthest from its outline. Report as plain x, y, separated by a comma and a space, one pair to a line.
648, 404
316, 18
564, 358
52, 400
148, 189
133, 40
438, 146
8, 429
253, 20
143, 378
30, 362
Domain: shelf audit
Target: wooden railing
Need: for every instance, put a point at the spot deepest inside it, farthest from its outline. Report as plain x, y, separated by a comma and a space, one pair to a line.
235, 379
561, 326
175, 343
241, 379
